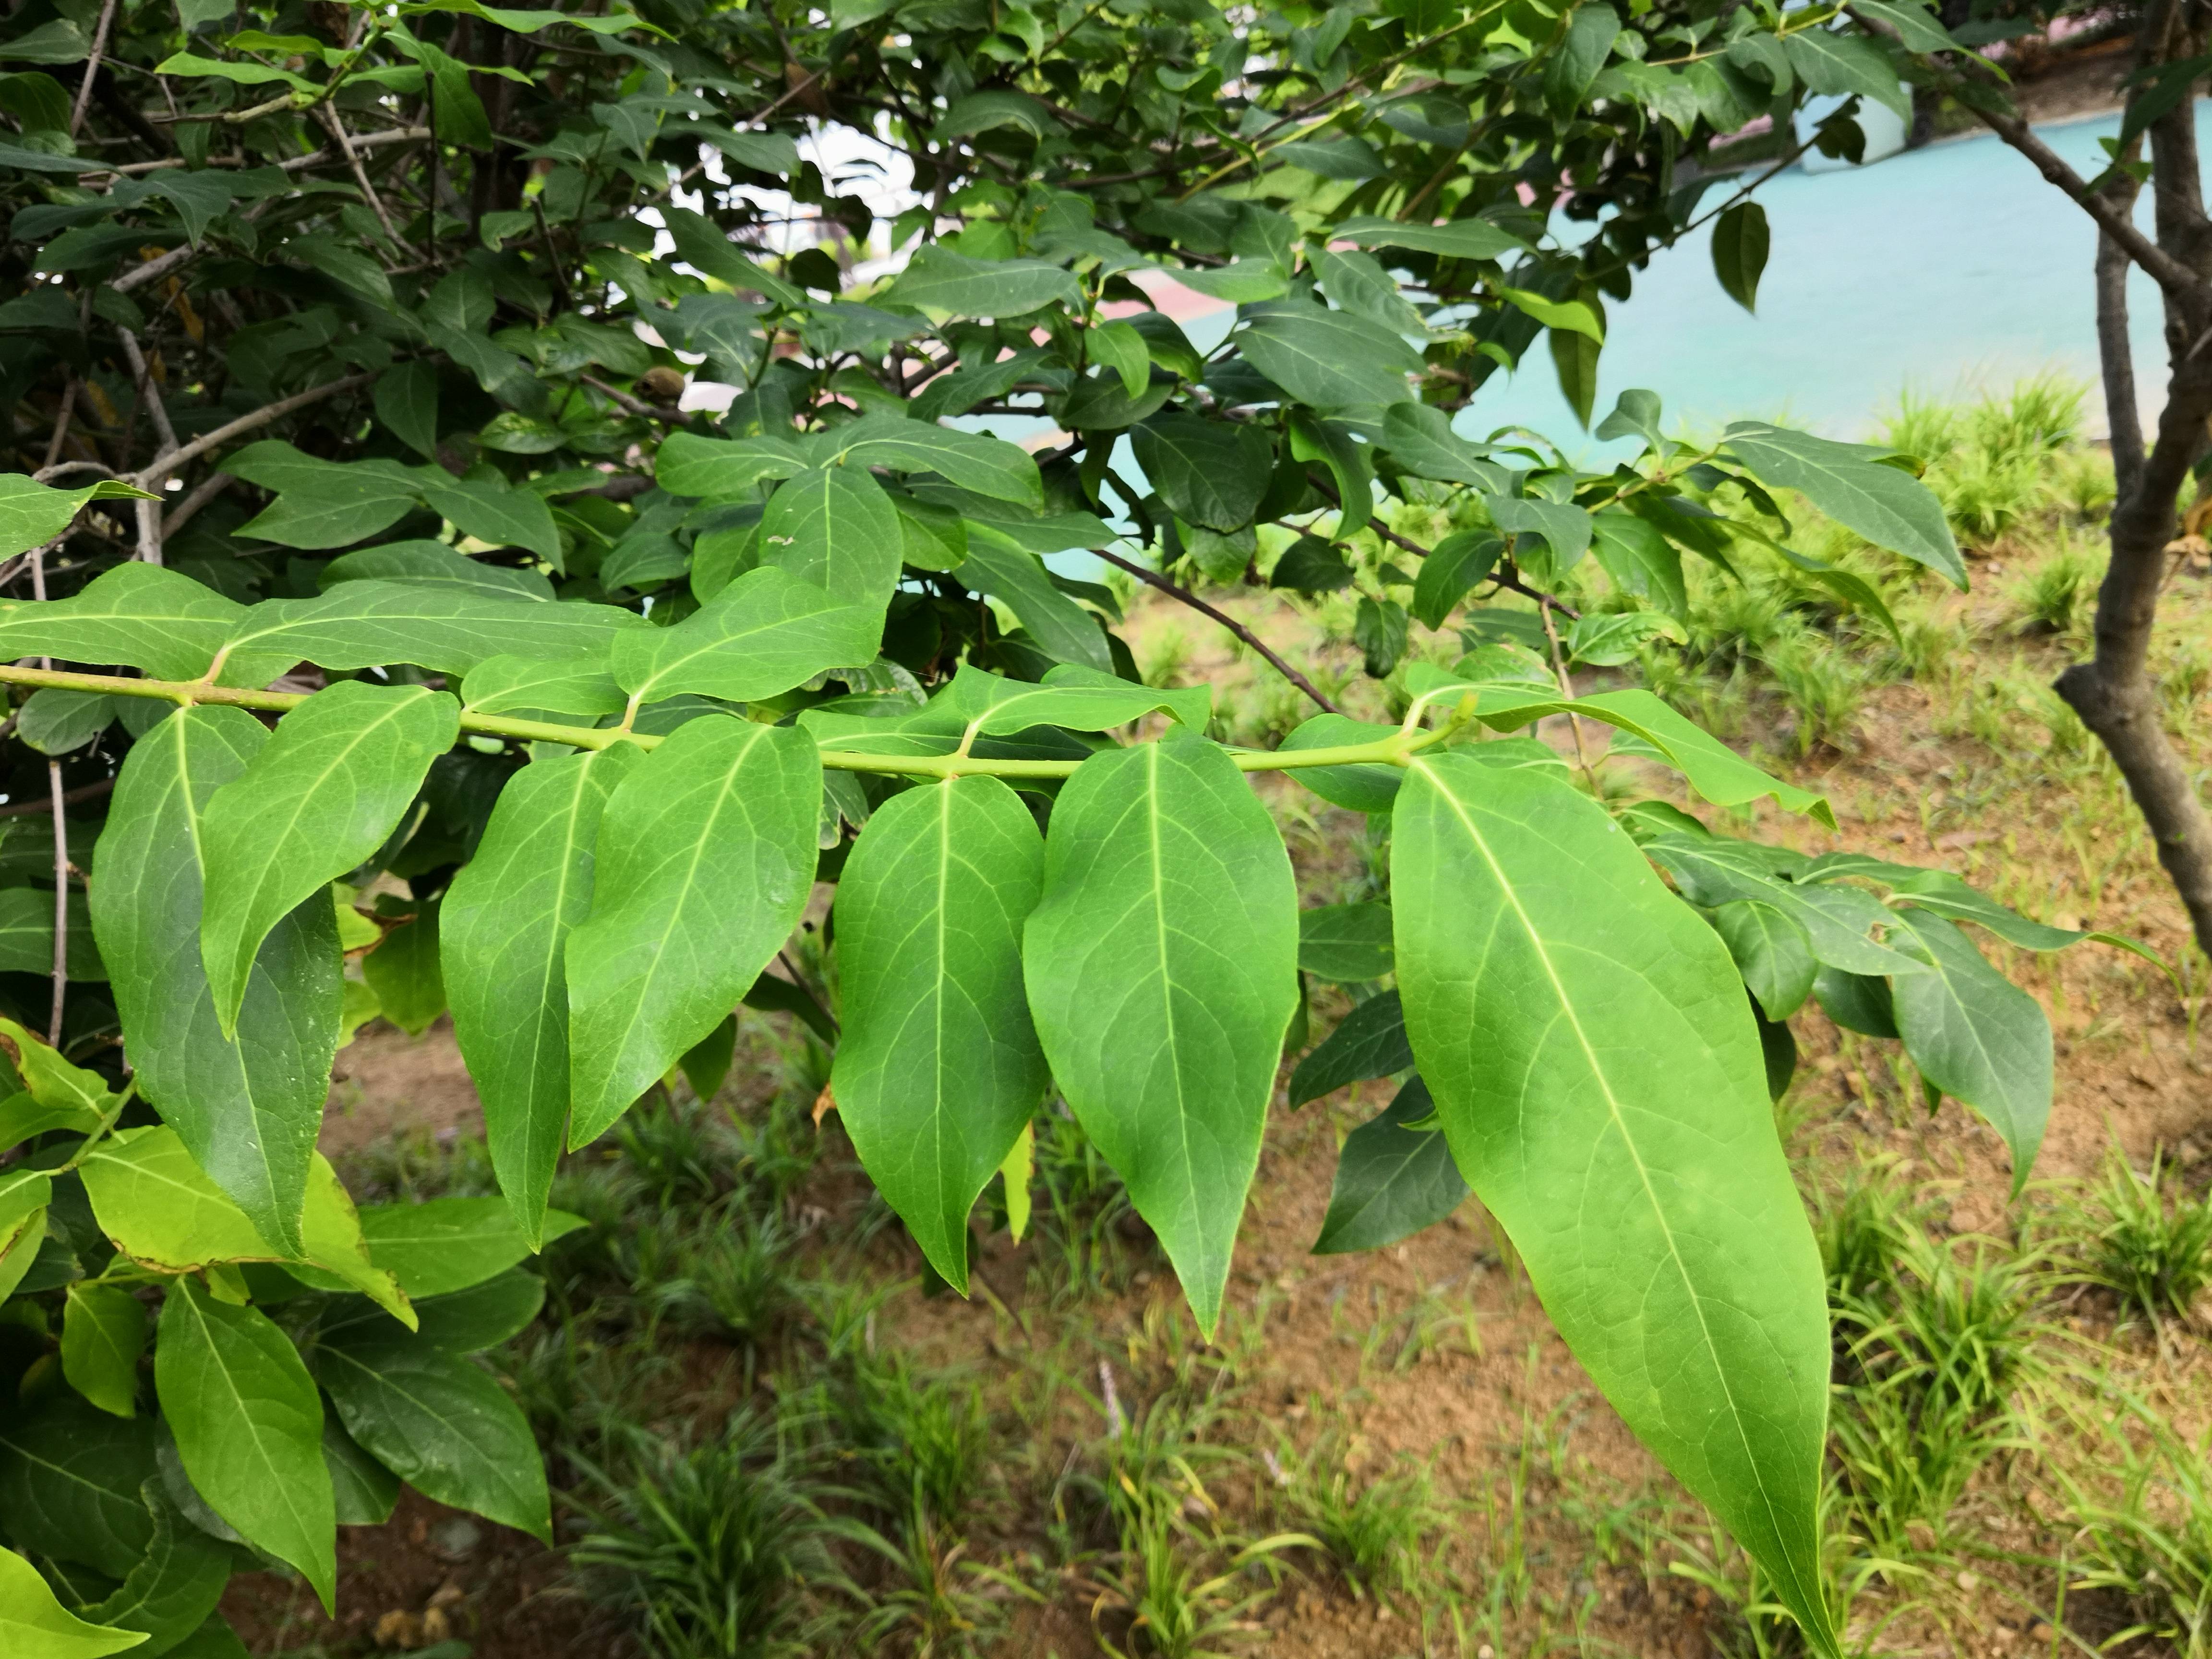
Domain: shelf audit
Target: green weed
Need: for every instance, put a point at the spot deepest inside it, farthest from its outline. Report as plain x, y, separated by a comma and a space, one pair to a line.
1377, 1533
2143, 1531
2145, 1240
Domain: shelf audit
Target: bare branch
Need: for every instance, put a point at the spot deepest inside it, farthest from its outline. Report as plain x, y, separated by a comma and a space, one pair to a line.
209, 488
260, 417
91, 68
1153, 579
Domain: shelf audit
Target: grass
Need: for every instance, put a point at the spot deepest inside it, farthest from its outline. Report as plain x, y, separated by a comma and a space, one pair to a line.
769, 1438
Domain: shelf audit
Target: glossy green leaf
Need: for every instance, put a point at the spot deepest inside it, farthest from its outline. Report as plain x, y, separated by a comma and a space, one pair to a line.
447, 630
1740, 245
403, 972
999, 566
434, 564
26, 936
1463, 239
763, 634
320, 798
938, 279
141, 615
440, 1422
1209, 472
1574, 64
1330, 359
174, 1588
364, 1492
1119, 350
1638, 560
1593, 1062
103, 1335
581, 685
1857, 1002
1162, 969
1079, 699
34, 1626
1421, 441
249, 1428
247, 1108
1849, 483
152, 1200
57, 722
53, 1081
407, 404
448, 1244
1347, 943
504, 933
483, 1316
1714, 871
1976, 1035
834, 526
705, 858
939, 1069
1392, 1178
70, 1480
1772, 952
1370, 1042
32, 514
1361, 787
491, 511
988, 465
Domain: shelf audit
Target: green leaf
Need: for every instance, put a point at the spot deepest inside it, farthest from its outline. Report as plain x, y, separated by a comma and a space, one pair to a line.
700, 243
34, 1626
1575, 354
27, 935
938, 279
320, 503
1572, 316
214, 1639
70, 1480
447, 630
705, 858
1369, 788
439, 1423
939, 1069
1638, 560
1574, 65
1330, 359
504, 930
1857, 1002
1311, 565
1392, 1178
448, 1244
1976, 1035
249, 1428
1849, 482
1118, 348
1371, 1042
999, 566
1593, 1062
1348, 460
1740, 244
53, 1082
172, 1590
716, 471
1715, 871
154, 1202
247, 1108
834, 526
403, 971
1837, 63
1421, 441
1162, 969
763, 634
365, 1492
407, 404
1240, 282
320, 798
1346, 943
1772, 952
1608, 639
556, 685
971, 460
57, 722
1360, 285
1213, 473
141, 615
1075, 698
1463, 239
103, 1335
483, 1316
32, 514
434, 564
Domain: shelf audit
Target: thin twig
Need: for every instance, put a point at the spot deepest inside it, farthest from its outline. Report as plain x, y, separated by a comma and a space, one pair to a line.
210, 487
1567, 690
1153, 579
148, 514
260, 417
61, 844
361, 175
82, 793
91, 68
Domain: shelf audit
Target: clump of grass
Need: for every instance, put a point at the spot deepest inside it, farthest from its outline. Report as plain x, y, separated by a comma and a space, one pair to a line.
925, 1443
1184, 1588
2145, 1240
722, 1550
1932, 1349
1088, 1234
2143, 1531
734, 1278
2054, 597
682, 1152
1378, 1533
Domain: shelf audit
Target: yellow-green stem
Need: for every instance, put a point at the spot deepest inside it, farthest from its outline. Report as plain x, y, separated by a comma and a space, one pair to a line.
1394, 750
